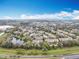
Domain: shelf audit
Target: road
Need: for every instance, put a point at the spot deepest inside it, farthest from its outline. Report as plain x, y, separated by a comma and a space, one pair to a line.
70, 57
18, 56
41, 57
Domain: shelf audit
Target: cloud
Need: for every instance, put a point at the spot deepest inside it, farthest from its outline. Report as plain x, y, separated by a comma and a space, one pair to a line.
62, 15
77, 17
38, 16
6, 17
75, 14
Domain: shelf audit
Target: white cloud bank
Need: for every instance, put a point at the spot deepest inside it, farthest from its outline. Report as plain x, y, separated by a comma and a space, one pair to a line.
61, 15
6, 17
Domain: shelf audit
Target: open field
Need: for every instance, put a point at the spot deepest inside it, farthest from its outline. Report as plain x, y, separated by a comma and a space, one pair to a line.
63, 51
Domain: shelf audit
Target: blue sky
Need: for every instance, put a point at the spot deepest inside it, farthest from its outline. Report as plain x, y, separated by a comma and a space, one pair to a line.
15, 8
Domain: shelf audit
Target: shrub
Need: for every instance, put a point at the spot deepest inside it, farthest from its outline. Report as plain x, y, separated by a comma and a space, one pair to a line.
20, 52
44, 53
32, 53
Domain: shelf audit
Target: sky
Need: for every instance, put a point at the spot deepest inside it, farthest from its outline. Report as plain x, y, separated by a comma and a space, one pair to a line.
39, 9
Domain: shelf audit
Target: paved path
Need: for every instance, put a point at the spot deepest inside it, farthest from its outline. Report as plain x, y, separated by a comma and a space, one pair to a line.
17, 56
70, 57
60, 57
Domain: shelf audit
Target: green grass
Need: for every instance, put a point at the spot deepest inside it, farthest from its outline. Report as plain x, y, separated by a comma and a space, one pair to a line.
63, 51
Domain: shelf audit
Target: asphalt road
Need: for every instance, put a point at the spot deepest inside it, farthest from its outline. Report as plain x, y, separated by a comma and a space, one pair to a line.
70, 57
60, 57
14, 56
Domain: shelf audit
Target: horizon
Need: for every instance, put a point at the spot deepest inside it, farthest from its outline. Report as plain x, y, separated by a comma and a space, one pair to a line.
41, 9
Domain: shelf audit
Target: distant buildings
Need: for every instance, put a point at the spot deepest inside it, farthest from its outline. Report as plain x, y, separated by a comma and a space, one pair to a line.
53, 33
5, 27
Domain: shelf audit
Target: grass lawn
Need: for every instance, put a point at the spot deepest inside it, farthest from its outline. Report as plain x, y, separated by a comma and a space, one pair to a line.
71, 50
63, 51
